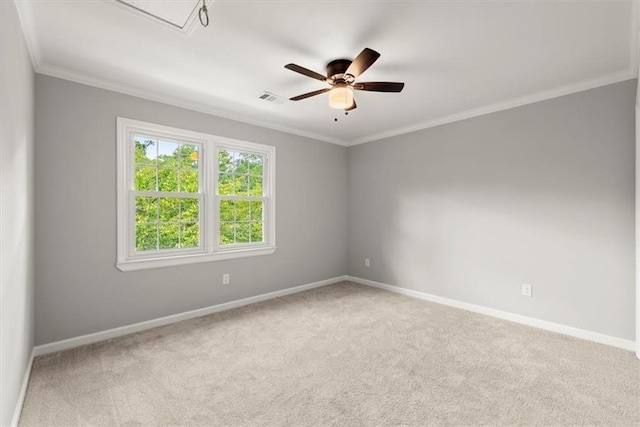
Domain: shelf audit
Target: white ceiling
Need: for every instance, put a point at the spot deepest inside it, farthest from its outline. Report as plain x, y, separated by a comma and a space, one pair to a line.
458, 58
176, 13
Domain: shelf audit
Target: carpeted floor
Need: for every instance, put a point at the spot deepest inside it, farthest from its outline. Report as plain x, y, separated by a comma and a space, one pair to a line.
343, 354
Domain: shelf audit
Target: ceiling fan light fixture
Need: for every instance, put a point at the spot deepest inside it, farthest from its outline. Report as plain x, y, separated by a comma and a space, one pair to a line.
341, 76
341, 97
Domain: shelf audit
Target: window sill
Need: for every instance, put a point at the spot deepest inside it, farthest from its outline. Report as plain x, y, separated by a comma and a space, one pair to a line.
149, 263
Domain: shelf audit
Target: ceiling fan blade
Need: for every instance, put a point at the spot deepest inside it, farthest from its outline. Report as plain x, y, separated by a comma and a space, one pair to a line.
309, 94
353, 106
379, 86
306, 72
363, 61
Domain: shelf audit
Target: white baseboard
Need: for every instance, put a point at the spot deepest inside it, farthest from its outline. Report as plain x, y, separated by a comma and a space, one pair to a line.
529, 321
137, 327
23, 392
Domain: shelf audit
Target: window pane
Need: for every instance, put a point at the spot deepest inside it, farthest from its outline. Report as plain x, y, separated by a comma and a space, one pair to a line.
225, 161
145, 150
189, 235
242, 232
189, 156
146, 237
227, 230
146, 209
256, 232
167, 179
242, 210
227, 210
169, 209
145, 179
242, 185
256, 211
255, 186
189, 210
189, 181
256, 165
225, 185
241, 161
169, 238
168, 153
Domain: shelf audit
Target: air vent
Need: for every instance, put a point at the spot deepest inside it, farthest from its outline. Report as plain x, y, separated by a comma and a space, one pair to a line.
270, 97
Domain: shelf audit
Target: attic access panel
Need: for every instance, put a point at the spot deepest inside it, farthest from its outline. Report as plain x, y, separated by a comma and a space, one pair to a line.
176, 15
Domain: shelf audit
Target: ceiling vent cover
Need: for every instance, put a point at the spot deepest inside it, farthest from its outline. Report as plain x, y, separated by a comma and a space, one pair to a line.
270, 97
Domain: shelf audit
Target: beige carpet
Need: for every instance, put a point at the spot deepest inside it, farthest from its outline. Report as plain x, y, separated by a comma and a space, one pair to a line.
344, 354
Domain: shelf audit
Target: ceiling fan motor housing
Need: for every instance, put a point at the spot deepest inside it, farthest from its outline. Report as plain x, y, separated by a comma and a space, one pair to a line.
337, 68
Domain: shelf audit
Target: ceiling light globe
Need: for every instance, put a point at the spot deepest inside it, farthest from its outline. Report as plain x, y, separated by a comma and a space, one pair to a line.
341, 97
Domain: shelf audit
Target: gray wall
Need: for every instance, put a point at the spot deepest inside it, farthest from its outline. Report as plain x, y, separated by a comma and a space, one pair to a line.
16, 209
540, 194
78, 288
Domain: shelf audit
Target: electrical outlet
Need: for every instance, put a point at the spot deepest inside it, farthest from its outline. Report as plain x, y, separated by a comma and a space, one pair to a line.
225, 279
527, 290
367, 263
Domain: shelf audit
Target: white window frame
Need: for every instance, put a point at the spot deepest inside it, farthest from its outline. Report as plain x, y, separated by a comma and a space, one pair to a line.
209, 248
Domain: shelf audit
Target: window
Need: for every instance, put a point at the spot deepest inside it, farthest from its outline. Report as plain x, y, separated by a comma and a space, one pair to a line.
186, 197
240, 197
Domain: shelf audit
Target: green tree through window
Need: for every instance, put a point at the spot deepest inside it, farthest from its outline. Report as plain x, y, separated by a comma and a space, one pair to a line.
241, 197
170, 218
187, 197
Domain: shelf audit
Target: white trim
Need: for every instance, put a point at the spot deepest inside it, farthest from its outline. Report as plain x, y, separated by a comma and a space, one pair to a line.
175, 101
23, 391
148, 263
25, 15
142, 326
208, 250
517, 318
208, 109
504, 105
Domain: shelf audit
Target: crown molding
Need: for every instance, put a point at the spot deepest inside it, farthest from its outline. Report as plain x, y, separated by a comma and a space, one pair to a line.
100, 83
504, 105
65, 74
25, 16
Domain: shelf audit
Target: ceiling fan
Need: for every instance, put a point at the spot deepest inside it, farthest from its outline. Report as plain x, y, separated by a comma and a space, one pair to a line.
341, 75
